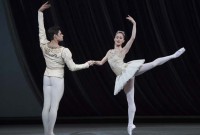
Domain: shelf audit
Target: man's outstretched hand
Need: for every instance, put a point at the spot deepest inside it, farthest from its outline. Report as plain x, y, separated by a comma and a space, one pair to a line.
44, 6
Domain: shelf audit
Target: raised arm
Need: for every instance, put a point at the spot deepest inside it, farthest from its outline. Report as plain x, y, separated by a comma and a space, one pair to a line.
67, 56
130, 42
105, 58
42, 33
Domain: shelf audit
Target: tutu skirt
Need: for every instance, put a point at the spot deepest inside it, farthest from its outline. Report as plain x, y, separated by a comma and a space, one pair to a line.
130, 70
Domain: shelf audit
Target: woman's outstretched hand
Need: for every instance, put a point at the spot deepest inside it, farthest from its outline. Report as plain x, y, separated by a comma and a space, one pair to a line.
130, 19
97, 63
90, 62
44, 6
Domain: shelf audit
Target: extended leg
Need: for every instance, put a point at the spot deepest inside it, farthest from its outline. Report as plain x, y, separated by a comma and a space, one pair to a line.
159, 61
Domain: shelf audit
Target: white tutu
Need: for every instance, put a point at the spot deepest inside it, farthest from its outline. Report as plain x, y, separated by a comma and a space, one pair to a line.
127, 74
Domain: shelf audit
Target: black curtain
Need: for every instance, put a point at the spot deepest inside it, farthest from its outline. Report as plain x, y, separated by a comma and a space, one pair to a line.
89, 26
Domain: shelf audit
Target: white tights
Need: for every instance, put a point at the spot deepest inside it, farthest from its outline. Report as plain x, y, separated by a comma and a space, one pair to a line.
129, 87
53, 88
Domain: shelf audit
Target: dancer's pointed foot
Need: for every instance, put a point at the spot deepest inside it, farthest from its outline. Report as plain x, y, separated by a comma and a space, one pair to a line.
179, 52
130, 129
50, 134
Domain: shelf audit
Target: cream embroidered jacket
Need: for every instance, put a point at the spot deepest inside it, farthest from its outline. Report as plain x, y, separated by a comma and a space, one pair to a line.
56, 58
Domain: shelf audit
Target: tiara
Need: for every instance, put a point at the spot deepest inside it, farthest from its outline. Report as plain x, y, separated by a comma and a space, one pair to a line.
119, 31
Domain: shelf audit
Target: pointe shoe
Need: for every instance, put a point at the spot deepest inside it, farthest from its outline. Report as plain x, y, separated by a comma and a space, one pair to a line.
50, 134
130, 129
179, 52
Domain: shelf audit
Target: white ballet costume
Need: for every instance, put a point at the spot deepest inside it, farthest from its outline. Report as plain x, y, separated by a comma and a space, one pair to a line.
53, 82
126, 73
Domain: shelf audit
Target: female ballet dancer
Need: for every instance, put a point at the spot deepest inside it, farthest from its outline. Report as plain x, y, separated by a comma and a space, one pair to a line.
53, 83
126, 72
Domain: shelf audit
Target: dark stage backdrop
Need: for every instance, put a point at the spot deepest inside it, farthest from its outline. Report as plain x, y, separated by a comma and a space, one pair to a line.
89, 26
17, 95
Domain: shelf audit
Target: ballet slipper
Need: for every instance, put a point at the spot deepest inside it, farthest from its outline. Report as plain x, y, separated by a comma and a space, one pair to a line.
179, 52
130, 129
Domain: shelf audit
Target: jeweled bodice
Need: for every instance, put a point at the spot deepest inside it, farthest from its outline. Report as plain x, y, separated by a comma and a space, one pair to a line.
116, 61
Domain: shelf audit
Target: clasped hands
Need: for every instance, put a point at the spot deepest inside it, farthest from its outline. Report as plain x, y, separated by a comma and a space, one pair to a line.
91, 62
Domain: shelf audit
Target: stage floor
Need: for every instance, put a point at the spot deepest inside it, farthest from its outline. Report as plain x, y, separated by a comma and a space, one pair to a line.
105, 129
